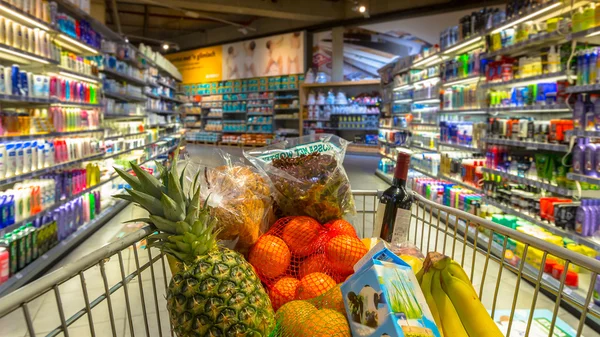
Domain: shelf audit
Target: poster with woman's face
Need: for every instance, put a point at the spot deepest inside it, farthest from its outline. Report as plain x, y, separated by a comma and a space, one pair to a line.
269, 56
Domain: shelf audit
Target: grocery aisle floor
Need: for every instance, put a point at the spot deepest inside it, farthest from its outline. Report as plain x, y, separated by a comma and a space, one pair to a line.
141, 292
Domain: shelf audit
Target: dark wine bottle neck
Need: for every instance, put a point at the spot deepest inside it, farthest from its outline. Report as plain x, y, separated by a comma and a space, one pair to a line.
399, 182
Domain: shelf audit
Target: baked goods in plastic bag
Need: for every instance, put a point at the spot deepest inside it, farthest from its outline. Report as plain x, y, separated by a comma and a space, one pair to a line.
240, 198
308, 176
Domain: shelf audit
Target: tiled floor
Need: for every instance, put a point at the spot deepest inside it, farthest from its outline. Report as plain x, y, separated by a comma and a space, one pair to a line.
143, 308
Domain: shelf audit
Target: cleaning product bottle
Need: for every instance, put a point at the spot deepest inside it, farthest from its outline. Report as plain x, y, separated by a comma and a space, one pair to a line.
580, 218
589, 167
589, 118
579, 155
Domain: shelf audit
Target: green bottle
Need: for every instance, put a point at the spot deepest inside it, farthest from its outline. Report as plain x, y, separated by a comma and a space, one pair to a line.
12, 250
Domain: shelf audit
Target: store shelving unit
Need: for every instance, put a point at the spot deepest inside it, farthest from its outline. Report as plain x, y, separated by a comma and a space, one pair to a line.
348, 133
42, 65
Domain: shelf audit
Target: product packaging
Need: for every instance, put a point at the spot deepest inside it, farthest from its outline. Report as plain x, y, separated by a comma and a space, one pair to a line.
308, 176
383, 298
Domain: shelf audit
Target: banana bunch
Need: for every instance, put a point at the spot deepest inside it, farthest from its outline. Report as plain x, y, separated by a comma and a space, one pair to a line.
452, 299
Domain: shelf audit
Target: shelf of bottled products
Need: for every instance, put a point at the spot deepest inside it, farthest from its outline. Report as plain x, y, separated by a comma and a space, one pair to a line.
52, 65
540, 110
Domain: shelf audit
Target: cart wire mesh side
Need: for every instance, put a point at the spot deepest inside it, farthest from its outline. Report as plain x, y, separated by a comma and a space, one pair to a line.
120, 289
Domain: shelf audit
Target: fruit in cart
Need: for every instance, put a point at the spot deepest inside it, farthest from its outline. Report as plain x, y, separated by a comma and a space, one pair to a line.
340, 226
292, 316
332, 299
343, 251
213, 290
313, 285
270, 256
301, 234
415, 263
450, 321
283, 291
314, 264
325, 323
455, 305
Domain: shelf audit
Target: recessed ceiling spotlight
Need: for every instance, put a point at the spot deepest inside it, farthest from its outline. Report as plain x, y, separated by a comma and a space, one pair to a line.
362, 9
165, 46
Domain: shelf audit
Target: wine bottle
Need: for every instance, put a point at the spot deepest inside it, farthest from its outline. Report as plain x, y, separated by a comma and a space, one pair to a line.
392, 221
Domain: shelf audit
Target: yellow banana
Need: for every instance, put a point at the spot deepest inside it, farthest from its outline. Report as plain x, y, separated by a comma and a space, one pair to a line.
473, 315
451, 324
426, 288
457, 271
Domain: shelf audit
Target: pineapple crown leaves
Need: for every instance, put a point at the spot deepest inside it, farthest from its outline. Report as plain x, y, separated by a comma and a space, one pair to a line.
186, 229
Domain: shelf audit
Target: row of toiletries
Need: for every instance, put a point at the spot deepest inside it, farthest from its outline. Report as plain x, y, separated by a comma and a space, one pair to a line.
540, 94
463, 97
527, 129
463, 133
31, 40
74, 119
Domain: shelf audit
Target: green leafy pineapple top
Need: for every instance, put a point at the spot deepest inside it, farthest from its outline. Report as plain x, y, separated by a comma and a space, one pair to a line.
186, 230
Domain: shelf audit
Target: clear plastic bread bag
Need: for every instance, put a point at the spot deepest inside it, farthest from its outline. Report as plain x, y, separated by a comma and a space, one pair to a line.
239, 196
308, 176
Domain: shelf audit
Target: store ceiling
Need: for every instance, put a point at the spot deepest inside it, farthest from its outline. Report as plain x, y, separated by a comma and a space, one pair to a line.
197, 23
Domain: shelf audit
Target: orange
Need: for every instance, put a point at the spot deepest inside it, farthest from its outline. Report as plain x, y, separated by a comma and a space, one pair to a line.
270, 256
332, 299
313, 264
313, 285
340, 226
283, 291
301, 234
343, 251
325, 323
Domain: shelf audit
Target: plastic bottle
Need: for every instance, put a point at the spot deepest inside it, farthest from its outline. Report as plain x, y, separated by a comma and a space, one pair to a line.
2, 161
4, 264
579, 155
589, 167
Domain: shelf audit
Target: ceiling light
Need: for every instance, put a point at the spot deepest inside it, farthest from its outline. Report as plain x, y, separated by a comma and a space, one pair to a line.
126, 39
362, 9
165, 46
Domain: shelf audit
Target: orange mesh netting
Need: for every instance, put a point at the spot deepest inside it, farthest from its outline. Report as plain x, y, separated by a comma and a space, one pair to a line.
300, 259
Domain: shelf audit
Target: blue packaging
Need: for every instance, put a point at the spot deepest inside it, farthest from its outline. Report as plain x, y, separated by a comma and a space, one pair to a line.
23, 84
14, 76
10, 207
2, 212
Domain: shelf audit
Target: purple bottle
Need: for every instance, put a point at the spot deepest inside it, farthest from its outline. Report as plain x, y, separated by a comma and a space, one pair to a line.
590, 160
579, 155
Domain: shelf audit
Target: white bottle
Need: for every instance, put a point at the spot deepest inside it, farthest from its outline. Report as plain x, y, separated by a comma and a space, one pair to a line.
31, 47
26, 157
40, 155
2, 29
20, 158
25, 38
37, 36
553, 62
8, 31
17, 35
34, 158
11, 160
47, 160
2, 161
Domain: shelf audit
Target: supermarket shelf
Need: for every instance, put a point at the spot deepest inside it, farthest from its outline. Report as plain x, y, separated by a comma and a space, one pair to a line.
460, 147
551, 228
211, 117
49, 135
423, 148
123, 77
474, 111
467, 79
528, 145
316, 120
397, 128
123, 97
234, 112
388, 156
553, 77
70, 73
167, 98
125, 136
58, 204
583, 34
47, 260
79, 104
163, 112
258, 114
284, 109
388, 143
555, 108
424, 172
48, 170
341, 84
585, 179
458, 182
356, 129
22, 57
259, 106
385, 176
123, 116
425, 80
539, 184
354, 114
583, 88
23, 100
285, 98
167, 85
116, 154
581, 133
531, 43
151, 95
286, 119
431, 100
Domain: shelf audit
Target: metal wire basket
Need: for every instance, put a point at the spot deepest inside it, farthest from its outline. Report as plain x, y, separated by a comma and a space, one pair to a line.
120, 289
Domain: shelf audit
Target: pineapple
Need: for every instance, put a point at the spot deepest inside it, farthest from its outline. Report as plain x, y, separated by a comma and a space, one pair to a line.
214, 291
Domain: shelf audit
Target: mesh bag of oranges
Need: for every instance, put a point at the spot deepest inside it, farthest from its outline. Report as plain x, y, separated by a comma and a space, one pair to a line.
301, 259
322, 316
308, 176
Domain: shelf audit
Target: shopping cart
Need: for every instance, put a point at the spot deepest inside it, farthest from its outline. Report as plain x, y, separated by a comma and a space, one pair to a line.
119, 290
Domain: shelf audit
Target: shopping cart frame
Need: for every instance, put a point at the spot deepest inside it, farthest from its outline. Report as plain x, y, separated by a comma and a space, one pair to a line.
457, 227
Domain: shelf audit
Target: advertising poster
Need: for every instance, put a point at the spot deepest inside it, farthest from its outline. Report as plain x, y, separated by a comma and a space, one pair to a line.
540, 324
269, 56
199, 65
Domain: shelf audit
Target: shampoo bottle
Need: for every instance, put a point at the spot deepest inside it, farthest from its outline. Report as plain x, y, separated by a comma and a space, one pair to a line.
590, 160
